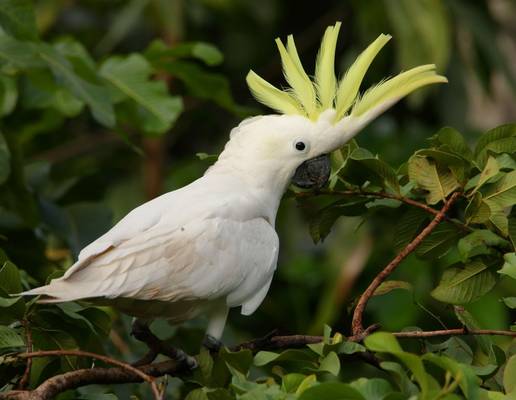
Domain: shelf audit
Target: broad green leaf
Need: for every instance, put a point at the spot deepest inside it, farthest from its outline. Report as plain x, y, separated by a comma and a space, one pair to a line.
503, 192
308, 382
361, 166
498, 217
240, 361
453, 140
85, 87
373, 389
205, 84
301, 356
291, 382
156, 110
350, 348
506, 162
40, 91
491, 169
509, 267
437, 180
401, 378
389, 286
480, 242
510, 302
331, 391
10, 278
509, 375
512, 231
498, 140
17, 18
206, 52
464, 374
9, 338
439, 241
386, 343
462, 285
5, 160
18, 54
8, 302
446, 160
323, 221
477, 211
8, 94
408, 227
330, 363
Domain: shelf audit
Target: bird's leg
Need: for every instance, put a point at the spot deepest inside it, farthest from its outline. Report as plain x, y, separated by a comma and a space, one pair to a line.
216, 325
141, 331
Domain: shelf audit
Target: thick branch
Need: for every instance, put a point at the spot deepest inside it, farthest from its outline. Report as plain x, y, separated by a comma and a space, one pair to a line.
24, 381
357, 325
108, 360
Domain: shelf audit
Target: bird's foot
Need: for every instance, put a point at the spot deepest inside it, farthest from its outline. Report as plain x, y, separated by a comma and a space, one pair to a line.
211, 343
156, 346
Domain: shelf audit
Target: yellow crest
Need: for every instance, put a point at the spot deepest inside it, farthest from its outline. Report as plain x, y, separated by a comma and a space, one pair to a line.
310, 98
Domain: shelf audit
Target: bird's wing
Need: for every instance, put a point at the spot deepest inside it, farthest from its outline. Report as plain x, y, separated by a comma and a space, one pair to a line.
204, 259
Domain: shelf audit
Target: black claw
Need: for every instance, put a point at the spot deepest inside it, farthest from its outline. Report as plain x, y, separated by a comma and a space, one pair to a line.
212, 344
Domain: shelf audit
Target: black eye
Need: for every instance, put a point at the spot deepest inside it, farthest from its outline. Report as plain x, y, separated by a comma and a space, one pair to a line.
300, 146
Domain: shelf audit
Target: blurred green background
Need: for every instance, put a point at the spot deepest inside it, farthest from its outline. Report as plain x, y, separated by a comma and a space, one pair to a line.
85, 177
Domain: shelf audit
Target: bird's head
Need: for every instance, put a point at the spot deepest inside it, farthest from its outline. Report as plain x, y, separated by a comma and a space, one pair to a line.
317, 116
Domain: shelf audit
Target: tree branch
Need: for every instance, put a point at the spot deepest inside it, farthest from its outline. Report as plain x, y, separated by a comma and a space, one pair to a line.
385, 195
28, 337
453, 332
357, 325
108, 360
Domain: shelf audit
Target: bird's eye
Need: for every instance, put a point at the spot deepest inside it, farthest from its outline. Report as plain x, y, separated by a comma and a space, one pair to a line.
300, 145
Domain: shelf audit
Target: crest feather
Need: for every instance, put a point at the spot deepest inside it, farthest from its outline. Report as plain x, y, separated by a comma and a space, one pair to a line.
296, 77
397, 87
310, 99
350, 83
325, 80
271, 96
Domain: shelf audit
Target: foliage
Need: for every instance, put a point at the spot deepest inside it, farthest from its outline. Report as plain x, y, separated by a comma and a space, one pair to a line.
64, 180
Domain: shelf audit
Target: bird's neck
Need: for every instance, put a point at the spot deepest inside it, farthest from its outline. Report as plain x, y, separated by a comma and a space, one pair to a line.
263, 184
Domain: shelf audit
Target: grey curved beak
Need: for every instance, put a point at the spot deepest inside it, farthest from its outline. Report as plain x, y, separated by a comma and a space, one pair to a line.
313, 173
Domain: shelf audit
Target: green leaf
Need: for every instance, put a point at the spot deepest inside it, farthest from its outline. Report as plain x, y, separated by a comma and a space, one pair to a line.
512, 231
509, 374
323, 221
462, 285
463, 373
386, 343
373, 389
436, 179
408, 226
477, 211
155, 110
85, 87
498, 140
300, 356
491, 169
8, 94
509, 267
453, 140
10, 278
503, 192
9, 338
240, 361
331, 391
350, 348
17, 18
19, 54
361, 166
480, 242
389, 286
290, 382
330, 364
5, 160
203, 51
205, 84
439, 241
510, 302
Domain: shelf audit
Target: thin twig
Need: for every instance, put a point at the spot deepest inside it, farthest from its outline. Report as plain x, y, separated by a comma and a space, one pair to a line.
106, 359
357, 325
26, 374
385, 195
453, 332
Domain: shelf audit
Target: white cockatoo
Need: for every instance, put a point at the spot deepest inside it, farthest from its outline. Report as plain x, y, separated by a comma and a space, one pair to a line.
212, 245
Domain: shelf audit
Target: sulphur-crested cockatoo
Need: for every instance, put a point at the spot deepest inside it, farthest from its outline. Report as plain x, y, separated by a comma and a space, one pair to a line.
211, 245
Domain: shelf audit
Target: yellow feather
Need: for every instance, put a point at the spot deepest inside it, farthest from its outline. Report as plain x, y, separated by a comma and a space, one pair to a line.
325, 80
397, 87
271, 96
350, 83
298, 80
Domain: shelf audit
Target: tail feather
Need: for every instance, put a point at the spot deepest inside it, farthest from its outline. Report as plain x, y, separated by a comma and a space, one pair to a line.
57, 291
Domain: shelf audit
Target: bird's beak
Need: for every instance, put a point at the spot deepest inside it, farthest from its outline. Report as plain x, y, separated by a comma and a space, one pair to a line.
313, 173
